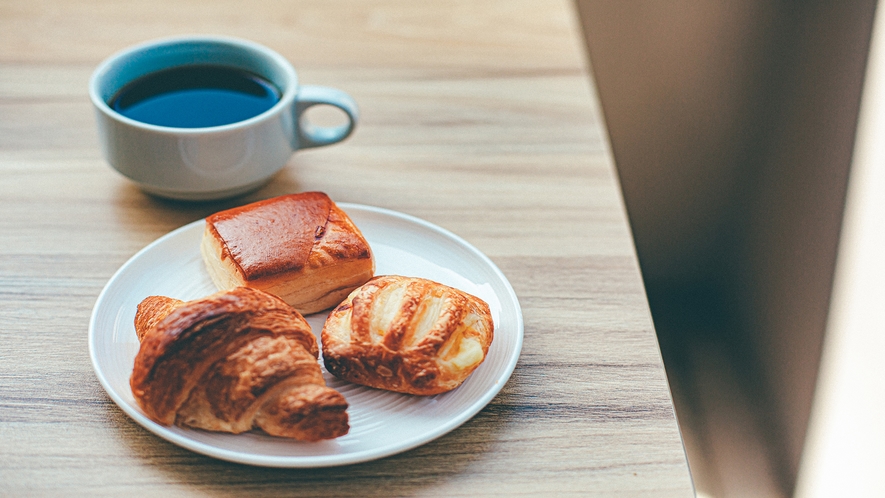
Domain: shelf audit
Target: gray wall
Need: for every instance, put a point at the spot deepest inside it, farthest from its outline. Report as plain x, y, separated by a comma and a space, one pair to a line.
732, 125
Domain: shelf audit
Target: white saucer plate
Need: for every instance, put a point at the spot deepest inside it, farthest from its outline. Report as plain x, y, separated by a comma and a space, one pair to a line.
382, 423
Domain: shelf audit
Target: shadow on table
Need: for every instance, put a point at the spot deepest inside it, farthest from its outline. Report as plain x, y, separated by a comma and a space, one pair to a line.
153, 216
407, 473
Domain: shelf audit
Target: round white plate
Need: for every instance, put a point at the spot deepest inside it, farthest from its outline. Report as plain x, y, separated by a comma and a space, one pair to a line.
382, 423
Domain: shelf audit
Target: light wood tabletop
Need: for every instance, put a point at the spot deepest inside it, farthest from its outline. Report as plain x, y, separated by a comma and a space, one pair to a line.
478, 116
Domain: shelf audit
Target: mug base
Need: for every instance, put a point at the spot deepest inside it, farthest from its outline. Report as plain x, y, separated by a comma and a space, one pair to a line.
199, 196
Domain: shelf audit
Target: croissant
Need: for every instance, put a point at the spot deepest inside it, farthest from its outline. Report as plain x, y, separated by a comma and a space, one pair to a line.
231, 362
408, 335
301, 247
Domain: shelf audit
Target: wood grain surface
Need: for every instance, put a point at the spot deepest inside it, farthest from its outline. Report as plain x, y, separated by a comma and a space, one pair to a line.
479, 116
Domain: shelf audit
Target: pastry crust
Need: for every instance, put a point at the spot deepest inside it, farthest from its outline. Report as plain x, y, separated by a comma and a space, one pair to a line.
231, 362
300, 247
408, 335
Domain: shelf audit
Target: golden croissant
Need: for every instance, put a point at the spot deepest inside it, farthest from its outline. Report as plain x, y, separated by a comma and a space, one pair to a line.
409, 335
232, 362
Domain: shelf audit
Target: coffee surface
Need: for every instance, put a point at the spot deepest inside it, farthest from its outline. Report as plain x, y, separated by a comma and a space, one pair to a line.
195, 96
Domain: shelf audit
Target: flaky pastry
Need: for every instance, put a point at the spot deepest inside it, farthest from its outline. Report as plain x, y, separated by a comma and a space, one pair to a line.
300, 247
408, 335
234, 361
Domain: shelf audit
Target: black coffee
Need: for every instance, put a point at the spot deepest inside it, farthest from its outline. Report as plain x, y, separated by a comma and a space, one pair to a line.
195, 96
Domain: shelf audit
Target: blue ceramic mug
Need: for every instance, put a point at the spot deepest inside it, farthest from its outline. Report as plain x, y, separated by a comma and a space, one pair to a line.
218, 160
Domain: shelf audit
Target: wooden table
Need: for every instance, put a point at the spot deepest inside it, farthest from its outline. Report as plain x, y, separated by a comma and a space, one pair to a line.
479, 116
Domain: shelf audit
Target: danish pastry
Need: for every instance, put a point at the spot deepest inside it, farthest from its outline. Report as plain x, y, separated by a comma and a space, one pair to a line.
300, 247
408, 335
234, 361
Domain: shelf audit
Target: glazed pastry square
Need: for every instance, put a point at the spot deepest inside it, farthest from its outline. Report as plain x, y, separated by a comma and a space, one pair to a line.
300, 247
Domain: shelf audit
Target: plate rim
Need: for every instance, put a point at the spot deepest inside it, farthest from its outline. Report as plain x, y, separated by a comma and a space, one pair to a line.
315, 461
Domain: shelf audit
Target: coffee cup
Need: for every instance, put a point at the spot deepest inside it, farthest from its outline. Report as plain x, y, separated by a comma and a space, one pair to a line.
197, 148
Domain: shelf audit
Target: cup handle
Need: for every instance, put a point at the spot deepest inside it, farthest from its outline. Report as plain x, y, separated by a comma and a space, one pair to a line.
316, 136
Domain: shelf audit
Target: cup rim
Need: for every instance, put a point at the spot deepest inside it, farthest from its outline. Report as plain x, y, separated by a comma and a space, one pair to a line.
287, 94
